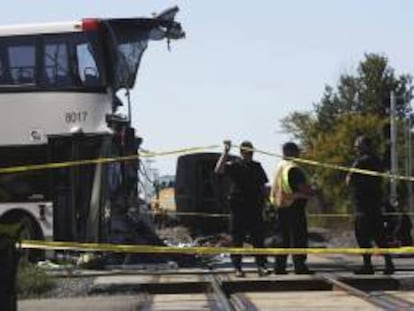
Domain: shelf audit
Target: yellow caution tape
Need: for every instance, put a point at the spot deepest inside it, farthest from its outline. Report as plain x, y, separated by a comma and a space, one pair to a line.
226, 215
221, 215
335, 166
141, 154
146, 154
117, 248
197, 214
150, 154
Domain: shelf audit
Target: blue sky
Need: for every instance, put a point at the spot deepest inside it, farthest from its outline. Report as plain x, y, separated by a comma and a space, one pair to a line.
244, 64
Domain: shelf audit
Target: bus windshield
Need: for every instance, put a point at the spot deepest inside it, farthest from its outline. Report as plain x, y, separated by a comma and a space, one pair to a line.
128, 38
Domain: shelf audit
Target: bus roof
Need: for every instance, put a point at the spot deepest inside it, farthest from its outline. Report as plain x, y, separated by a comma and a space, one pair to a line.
165, 20
40, 28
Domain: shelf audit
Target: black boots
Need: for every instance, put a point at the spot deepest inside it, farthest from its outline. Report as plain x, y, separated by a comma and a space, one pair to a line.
389, 269
365, 269
389, 266
302, 269
299, 269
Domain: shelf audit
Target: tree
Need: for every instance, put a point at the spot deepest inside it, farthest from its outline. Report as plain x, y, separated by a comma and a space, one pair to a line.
301, 125
367, 92
359, 104
336, 147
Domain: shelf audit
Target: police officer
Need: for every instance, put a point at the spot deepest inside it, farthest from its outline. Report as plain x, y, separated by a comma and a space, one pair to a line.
247, 196
366, 193
289, 194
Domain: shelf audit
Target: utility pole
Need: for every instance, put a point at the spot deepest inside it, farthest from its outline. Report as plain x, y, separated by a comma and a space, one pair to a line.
409, 163
393, 146
151, 176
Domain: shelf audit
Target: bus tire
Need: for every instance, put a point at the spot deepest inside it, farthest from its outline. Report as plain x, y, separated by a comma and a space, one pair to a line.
28, 232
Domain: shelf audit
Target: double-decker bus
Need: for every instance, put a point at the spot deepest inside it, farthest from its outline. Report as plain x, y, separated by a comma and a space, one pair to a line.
58, 86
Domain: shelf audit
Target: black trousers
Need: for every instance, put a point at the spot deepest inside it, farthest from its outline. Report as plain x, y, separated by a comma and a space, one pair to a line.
243, 225
294, 232
370, 228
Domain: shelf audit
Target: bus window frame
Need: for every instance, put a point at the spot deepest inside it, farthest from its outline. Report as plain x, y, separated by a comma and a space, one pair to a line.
16, 42
71, 39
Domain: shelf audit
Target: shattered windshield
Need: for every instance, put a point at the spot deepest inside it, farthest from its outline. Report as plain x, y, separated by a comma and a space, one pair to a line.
130, 48
127, 40
130, 56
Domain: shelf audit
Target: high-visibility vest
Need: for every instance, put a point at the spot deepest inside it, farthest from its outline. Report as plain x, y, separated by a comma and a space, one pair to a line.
280, 194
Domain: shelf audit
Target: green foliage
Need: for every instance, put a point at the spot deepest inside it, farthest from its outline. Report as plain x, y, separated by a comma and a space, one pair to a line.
32, 281
368, 92
302, 126
336, 147
357, 105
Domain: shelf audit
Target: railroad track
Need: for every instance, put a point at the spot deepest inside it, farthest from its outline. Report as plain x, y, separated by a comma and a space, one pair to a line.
333, 287
223, 292
380, 292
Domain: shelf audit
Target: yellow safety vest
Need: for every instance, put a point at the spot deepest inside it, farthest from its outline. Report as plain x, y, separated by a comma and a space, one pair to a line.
281, 192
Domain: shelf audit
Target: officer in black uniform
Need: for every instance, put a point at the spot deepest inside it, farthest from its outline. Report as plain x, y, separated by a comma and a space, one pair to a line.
366, 193
247, 196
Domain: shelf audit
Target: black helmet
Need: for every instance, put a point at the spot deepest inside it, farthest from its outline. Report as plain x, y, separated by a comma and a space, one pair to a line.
290, 149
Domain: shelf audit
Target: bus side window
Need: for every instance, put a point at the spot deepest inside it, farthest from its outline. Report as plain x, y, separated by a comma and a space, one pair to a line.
56, 62
2, 73
88, 71
5, 78
22, 63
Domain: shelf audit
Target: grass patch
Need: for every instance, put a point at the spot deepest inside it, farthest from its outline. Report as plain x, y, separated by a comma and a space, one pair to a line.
32, 281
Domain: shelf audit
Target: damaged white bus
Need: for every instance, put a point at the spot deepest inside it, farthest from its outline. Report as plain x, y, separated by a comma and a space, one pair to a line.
58, 85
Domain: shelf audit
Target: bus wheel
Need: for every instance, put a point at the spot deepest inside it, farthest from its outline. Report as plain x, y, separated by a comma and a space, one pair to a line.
28, 232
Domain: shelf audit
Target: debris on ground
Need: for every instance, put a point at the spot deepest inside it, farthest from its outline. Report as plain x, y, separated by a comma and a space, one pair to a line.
216, 240
174, 236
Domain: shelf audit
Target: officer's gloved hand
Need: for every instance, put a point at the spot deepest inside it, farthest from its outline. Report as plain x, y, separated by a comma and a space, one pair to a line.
227, 146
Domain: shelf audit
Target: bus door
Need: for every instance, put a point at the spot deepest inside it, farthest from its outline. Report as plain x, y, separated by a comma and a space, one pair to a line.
80, 190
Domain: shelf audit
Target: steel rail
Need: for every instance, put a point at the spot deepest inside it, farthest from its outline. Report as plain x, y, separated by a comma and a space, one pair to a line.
224, 293
219, 296
378, 298
238, 301
242, 303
